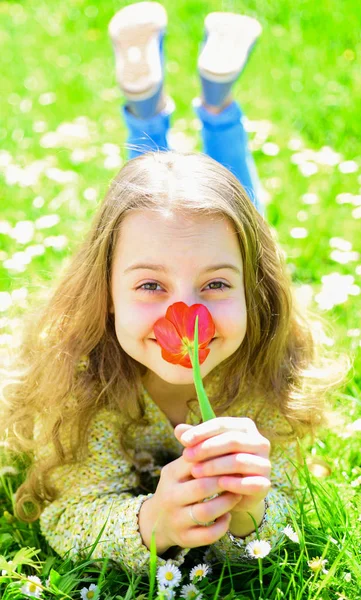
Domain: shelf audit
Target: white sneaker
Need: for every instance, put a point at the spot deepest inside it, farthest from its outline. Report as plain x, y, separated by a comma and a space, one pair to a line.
229, 39
137, 33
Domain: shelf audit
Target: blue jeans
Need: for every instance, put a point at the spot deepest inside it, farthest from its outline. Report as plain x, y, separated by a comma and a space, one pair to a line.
224, 139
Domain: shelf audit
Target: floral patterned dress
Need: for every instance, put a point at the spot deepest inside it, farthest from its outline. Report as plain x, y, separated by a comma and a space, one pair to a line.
102, 496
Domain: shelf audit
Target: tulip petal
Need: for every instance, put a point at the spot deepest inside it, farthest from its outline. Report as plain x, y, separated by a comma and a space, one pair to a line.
206, 328
167, 336
177, 359
183, 318
202, 354
178, 314
182, 358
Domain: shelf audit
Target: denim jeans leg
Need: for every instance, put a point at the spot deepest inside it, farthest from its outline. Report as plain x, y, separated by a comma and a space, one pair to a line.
225, 140
147, 135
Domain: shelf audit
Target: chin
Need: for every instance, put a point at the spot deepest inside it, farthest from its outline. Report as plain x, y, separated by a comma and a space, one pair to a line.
177, 375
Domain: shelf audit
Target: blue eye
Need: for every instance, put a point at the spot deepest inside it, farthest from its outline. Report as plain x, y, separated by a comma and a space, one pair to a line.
142, 288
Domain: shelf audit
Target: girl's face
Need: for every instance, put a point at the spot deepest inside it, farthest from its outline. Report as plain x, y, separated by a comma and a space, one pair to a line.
163, 259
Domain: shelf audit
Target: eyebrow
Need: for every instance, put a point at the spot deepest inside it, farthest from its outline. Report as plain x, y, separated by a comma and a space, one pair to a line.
162, 269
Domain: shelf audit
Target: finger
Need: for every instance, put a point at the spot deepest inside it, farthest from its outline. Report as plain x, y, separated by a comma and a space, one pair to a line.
196, 490
245, 486
216, 426
177, 470
205, 536
211, 510
227, 443
180, 429
241, 463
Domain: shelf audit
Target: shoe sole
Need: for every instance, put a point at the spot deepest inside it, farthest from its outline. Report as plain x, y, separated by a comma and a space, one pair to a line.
135, 33
229, 39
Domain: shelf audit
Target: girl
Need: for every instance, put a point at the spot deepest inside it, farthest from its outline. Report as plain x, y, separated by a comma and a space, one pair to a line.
113, 432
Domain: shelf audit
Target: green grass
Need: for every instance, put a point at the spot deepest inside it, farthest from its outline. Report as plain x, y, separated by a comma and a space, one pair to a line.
303, 83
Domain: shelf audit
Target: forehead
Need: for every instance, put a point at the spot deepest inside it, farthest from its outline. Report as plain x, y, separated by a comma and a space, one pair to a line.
153, 234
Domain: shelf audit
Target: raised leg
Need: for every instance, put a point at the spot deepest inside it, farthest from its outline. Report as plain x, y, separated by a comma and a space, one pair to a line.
137, 34
225, 140
147, 135
228, 41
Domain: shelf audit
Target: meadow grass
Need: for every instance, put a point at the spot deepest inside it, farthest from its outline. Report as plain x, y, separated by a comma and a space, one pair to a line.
62, 140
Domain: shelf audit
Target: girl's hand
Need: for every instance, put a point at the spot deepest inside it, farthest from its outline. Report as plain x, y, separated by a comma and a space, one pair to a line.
169, 508
232, 450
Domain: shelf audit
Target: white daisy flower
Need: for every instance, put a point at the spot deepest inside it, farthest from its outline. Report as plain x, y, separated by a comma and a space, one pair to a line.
199, 571
190, 592
292, 535
318, 564
258, 548
91, 593
168, 575
166, 593
32, 587
347, 577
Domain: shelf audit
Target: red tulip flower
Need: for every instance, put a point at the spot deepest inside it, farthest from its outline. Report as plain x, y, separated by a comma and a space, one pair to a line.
175, 333
183, 335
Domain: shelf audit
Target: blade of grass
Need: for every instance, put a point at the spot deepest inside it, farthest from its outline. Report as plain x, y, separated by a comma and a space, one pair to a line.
152, 565
219, 583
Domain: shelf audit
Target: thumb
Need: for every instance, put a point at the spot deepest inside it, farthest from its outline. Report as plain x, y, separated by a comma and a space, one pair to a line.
180, 429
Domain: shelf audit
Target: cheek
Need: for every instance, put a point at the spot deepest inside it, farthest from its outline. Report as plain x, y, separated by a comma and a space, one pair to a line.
231, 320
135, 320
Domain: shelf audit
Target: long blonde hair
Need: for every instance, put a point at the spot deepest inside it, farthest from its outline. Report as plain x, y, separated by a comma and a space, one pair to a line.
71, 363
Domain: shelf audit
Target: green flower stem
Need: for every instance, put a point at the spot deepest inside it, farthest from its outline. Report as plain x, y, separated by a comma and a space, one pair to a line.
205, 406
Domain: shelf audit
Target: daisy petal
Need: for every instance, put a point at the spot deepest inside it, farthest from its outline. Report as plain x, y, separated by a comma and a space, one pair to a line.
199, 571
258, 549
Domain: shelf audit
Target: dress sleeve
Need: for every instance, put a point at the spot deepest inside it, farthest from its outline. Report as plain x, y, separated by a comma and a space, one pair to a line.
97, 496
279, 502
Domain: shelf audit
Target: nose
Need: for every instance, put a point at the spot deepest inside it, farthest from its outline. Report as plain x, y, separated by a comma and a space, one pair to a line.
189, 297
192, 298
